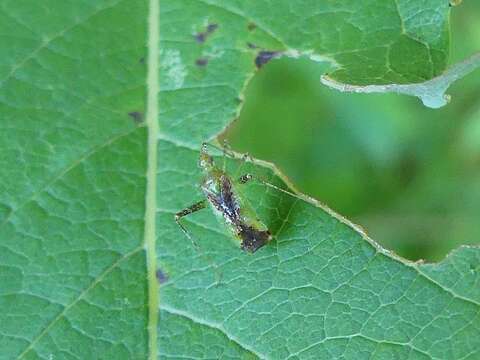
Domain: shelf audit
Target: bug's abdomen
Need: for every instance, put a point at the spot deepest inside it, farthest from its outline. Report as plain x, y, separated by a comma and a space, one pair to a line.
253, 239
219, 193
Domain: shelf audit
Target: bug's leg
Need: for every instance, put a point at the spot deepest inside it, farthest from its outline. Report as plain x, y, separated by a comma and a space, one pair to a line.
225, 149
228, 152
224, 152
245, 158
245, 178
187, 211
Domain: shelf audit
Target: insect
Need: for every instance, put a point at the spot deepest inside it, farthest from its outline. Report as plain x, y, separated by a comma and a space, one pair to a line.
222, 193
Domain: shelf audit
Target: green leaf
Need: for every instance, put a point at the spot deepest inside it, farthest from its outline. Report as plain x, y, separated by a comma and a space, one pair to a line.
93, 169
322, 289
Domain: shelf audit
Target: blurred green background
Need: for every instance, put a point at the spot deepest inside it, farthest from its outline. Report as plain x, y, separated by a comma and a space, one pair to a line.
409, 175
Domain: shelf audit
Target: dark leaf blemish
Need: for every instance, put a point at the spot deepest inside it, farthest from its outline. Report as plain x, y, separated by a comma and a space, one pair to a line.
251, 45
201, 62
137, 116
161, 276
202, 36
142, 60
211, 28
264, 57
251, 26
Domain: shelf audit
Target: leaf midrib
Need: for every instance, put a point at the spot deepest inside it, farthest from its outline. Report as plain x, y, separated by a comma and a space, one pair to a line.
151, 191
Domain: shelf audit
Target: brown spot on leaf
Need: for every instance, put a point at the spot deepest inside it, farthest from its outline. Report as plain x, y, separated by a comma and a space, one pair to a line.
161, 276
137, 116
251, 26
201, 62
211, 28
202, 36
264, 57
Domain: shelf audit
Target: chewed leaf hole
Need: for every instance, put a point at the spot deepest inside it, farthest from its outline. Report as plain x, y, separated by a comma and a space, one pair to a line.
384, 162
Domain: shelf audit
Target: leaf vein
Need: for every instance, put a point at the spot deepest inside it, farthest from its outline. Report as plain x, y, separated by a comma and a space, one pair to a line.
92, 285
217, 327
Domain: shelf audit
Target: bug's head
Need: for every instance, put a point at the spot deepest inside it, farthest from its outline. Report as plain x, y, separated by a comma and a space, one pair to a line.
206, 160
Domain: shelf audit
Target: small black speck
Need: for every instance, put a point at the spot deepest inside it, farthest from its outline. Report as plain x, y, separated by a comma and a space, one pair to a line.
211, 28
202, 36
137, 116
251, 26
251, 45
264, 57
201, 62
161, 276
142, 60
239, 100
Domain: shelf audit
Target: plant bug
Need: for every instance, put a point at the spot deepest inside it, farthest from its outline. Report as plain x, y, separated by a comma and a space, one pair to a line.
222, 194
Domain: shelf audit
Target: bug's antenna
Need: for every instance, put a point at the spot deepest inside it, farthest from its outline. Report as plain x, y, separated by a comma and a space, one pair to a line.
245, 178
185, 232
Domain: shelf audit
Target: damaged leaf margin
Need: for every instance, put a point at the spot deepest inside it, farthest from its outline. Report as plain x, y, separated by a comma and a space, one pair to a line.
432, 92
